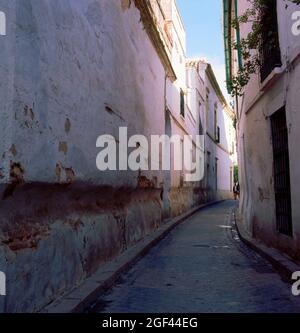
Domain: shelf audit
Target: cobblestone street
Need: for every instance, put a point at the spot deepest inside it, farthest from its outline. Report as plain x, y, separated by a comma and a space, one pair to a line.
201, 266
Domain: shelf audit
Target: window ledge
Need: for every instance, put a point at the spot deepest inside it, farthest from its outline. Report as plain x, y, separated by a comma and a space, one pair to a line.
182, 118
272, 78
277, 72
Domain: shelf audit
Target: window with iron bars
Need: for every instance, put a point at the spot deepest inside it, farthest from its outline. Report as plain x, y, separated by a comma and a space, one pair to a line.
270, 49
282, 185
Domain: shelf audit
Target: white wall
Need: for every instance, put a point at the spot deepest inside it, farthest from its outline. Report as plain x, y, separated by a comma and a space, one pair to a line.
70, 71
86, 63
218, 181
259, 102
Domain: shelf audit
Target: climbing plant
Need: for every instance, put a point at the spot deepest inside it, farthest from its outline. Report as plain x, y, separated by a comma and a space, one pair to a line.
249, 47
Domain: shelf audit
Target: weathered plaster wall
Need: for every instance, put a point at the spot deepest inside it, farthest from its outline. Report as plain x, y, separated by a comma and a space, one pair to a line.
78, 66
258, 205
183, 195
73, 70
255, 140
7, 65
62, 235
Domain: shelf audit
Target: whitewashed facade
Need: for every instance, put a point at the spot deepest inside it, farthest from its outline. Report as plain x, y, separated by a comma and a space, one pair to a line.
268, 123
75, 70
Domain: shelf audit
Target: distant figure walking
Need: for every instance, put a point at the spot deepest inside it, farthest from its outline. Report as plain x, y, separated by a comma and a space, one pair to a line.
236, 191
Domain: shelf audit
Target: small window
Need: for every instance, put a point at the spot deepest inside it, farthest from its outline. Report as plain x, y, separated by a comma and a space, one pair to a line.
216, 128
182, 103
218, 135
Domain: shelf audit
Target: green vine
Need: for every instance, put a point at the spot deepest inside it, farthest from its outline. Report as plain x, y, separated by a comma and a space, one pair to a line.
250, 47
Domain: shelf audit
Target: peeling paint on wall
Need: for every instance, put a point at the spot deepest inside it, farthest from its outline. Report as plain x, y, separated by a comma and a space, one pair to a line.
16, 179
125, 4
63, 147
67, 125
16, 173
13, 150
66, 211
26, 236
144, 182
68, 176
58, 172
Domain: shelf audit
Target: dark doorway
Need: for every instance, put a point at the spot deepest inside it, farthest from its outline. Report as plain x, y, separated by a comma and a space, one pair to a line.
282, 173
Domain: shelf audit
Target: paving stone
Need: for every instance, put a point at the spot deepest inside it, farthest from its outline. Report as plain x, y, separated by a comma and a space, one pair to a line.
201, 266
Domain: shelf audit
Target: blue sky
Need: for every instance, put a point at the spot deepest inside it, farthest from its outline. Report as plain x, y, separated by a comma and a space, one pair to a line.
203, 25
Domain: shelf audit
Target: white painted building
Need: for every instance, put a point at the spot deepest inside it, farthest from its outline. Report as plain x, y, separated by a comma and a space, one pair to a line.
75, 70
216, 123
182, 118
268, 123
220, 140
190, 111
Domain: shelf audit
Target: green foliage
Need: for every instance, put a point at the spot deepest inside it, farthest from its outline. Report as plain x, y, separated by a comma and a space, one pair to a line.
250, 46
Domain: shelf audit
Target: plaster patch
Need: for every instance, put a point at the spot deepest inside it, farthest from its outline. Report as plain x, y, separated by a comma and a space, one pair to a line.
125, 4
67, 125
63, 147
13, 150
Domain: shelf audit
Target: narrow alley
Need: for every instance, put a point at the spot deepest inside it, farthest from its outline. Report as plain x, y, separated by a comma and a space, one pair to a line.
136, 138
202, 266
